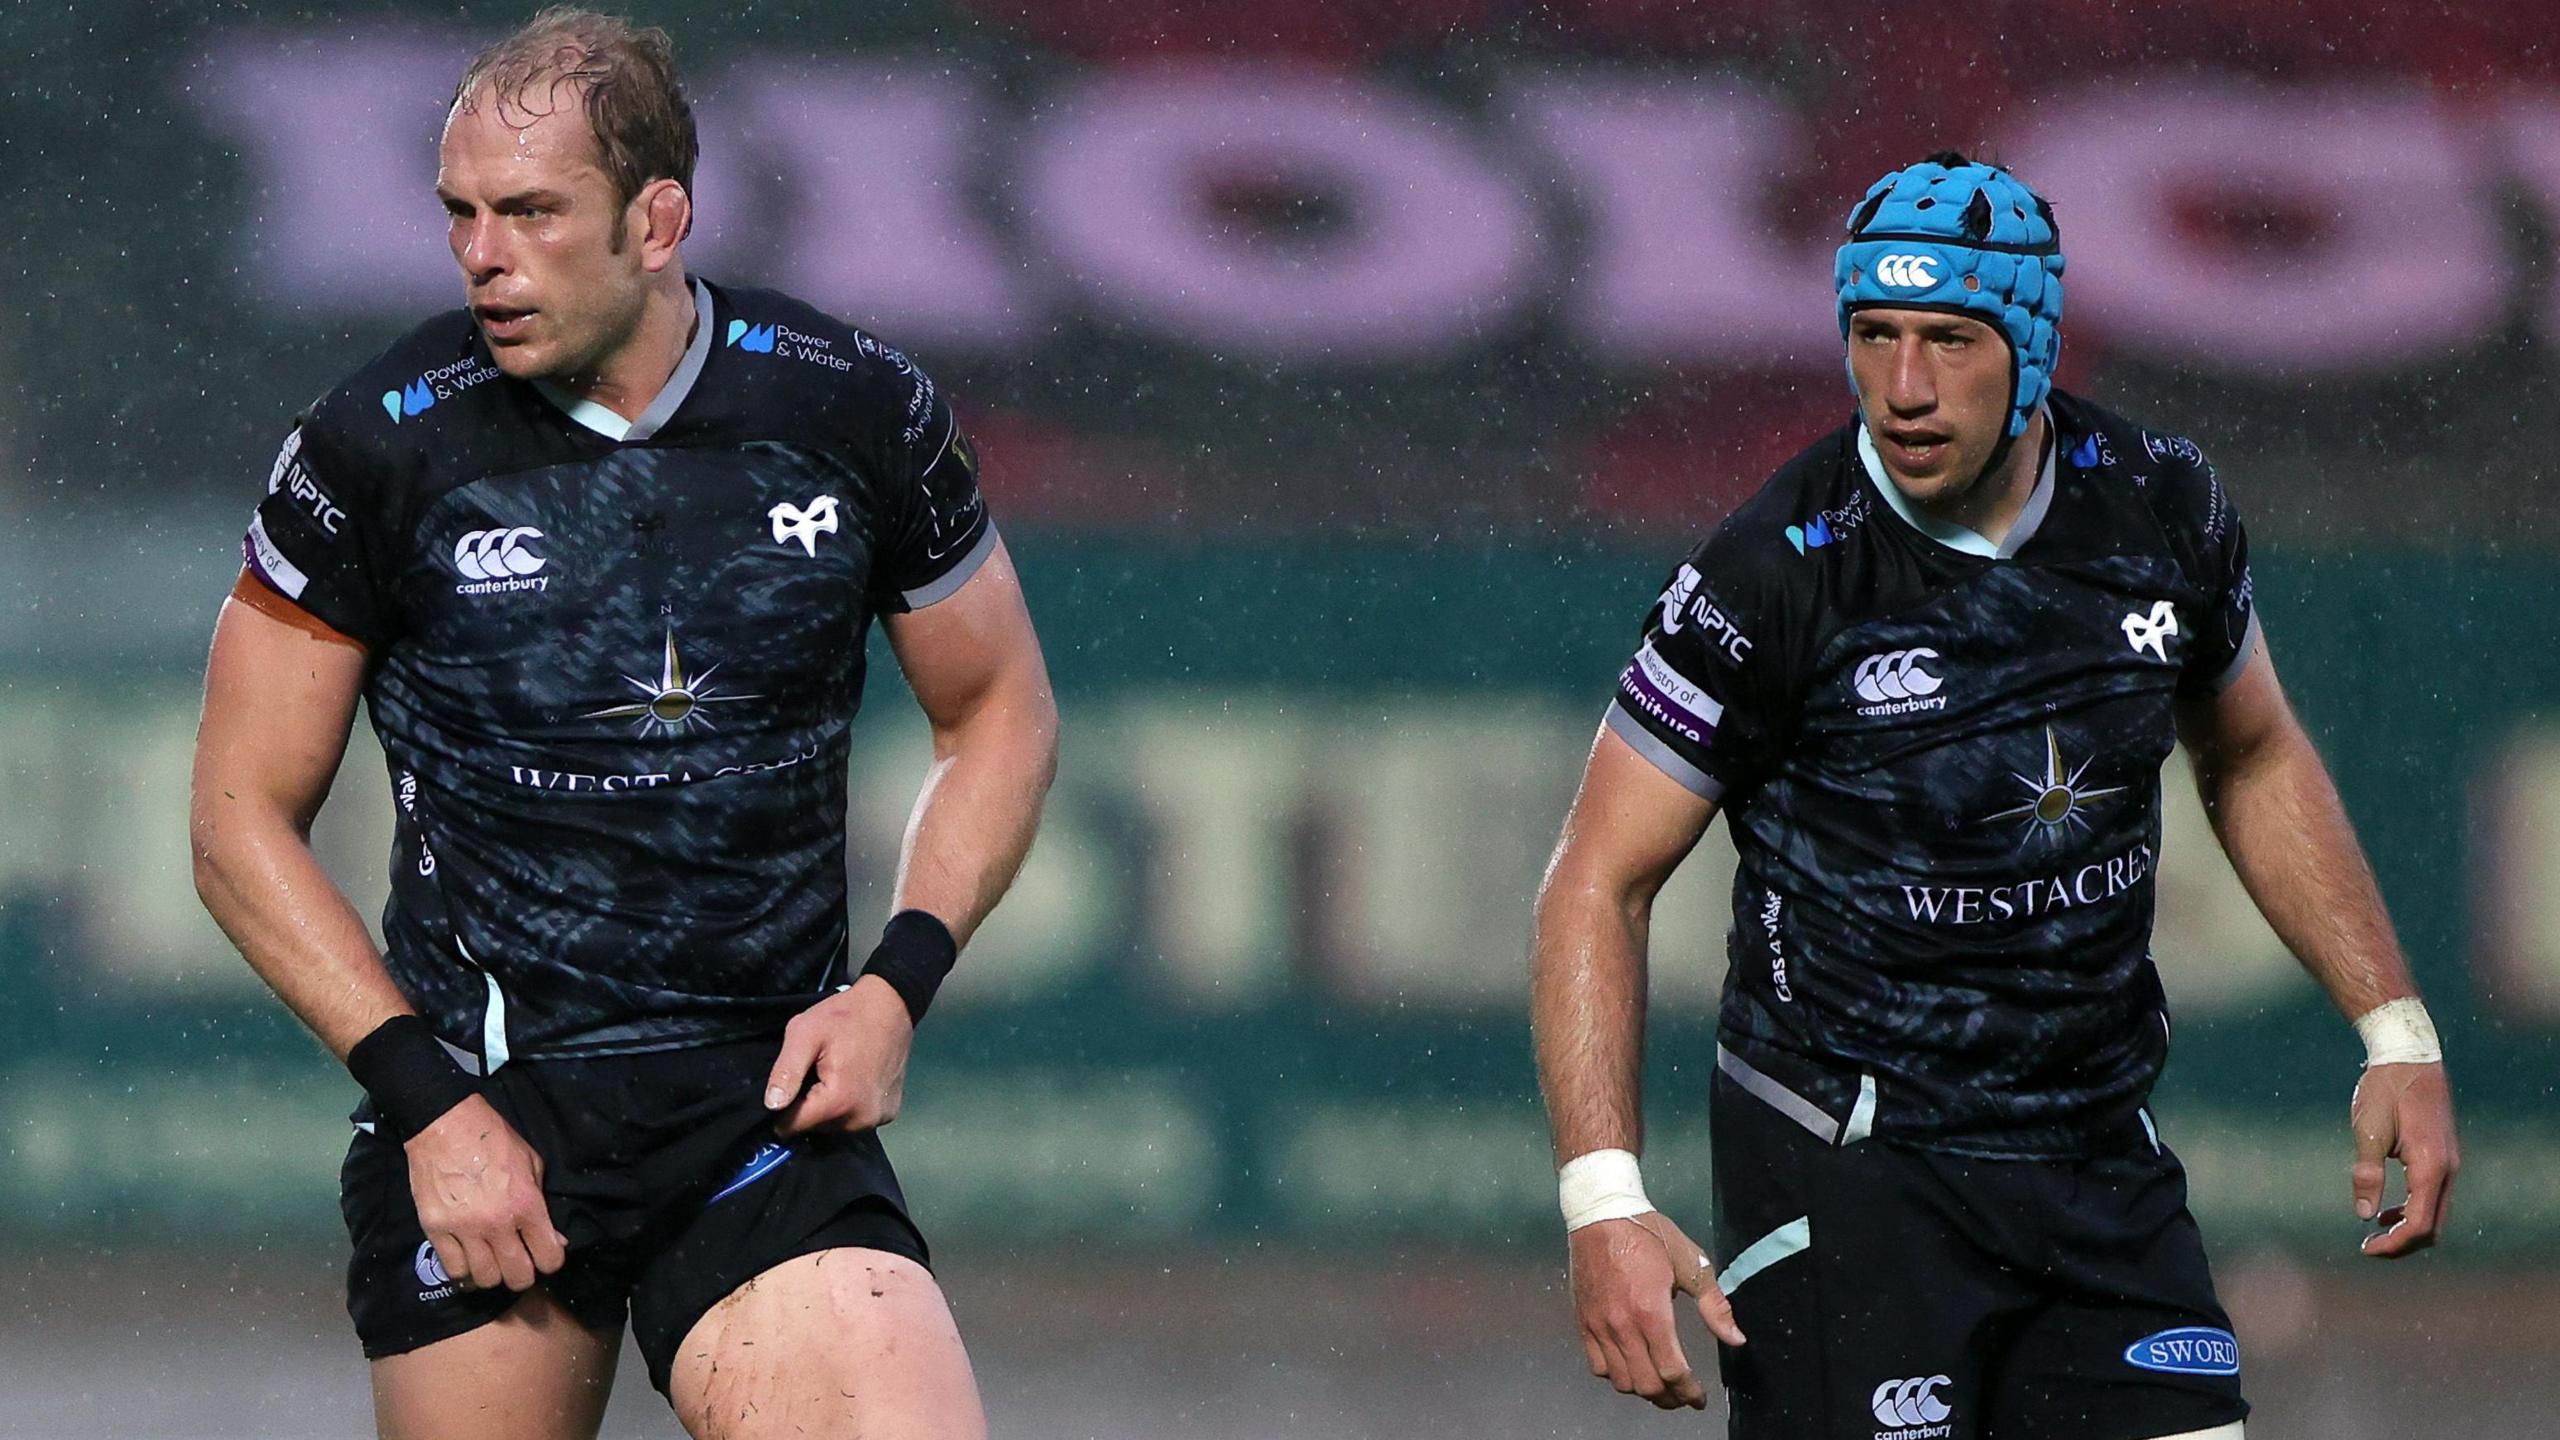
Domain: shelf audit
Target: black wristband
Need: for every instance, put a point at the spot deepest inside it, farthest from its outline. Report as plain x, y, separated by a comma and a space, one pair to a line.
404, 1067
915, 952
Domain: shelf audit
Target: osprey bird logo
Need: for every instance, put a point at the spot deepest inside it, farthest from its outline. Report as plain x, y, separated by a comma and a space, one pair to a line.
790, 522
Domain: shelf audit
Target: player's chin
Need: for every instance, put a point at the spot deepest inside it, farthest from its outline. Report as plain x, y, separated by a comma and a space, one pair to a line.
1925, 484
524, 358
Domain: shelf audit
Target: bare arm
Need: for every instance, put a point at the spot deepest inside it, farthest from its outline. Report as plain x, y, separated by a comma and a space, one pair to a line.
975, 665
2278, 816
278, 700
1630, 827
279, 694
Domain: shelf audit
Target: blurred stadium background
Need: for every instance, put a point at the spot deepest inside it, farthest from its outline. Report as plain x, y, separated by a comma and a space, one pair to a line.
1348, 373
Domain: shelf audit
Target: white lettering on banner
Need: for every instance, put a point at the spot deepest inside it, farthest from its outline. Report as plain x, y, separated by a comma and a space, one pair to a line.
1434, 245
1256, 844
912, 257
1439, 242
2372, 167
1684, 256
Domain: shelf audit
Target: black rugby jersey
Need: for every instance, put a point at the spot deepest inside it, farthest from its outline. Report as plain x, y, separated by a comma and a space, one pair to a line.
1941, 765
613, 666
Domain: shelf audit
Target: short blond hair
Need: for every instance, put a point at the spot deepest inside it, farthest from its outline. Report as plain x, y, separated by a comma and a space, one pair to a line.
626, 76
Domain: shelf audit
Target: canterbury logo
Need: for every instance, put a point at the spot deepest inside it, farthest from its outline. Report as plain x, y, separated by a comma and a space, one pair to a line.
790, 522
1895, 675
1907, 272
2152, 633
1909, 1402
497, 554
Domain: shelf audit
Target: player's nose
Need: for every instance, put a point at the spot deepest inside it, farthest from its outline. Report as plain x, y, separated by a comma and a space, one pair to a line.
1910, 388
480, 248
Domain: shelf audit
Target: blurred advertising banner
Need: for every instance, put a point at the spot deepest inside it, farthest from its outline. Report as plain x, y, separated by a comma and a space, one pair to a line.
1300, 215
1264, 976
1479, 266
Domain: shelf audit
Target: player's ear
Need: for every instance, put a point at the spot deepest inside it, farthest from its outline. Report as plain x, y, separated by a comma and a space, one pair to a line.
664, 217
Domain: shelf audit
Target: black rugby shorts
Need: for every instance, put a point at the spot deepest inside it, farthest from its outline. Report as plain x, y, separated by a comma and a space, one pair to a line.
664, 1172
1897, 1294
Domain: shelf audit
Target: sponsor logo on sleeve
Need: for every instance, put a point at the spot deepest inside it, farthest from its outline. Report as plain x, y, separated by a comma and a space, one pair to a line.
1682, 606
2187, 1350
1663, 694
293, 478
283, 574
1910, 1409
948, 533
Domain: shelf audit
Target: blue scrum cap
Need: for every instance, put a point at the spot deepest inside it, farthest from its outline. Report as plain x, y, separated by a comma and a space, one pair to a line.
1967, 238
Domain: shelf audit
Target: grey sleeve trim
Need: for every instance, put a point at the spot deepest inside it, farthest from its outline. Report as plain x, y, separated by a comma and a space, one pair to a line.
2239, 665
1665, 759
948, 584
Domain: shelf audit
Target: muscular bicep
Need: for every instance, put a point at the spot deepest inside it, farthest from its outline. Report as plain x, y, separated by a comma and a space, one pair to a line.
2244, 715
1631, 825
279, 695
974, 654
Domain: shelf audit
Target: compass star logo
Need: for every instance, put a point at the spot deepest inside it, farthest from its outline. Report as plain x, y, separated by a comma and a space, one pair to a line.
2056, 798
676, 700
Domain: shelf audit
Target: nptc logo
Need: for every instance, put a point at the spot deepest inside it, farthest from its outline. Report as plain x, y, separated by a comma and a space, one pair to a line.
1909, 1402
1675, 599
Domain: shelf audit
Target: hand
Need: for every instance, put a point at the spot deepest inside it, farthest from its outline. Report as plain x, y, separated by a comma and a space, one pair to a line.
2404, 1112
1624, 1274
478, 1188
849, 1051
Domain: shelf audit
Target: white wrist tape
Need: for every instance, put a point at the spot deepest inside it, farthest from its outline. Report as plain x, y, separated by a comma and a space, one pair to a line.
1603, 1185
2398, 1032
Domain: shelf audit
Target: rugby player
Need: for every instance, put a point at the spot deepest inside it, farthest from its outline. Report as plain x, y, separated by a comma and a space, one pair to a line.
1930, 674
600, 552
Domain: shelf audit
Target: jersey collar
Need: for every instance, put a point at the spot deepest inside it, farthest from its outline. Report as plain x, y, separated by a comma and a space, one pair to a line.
1954, 536
613, 427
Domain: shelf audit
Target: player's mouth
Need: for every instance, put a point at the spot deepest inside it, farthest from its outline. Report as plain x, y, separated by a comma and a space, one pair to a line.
1913, 452
503, 324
